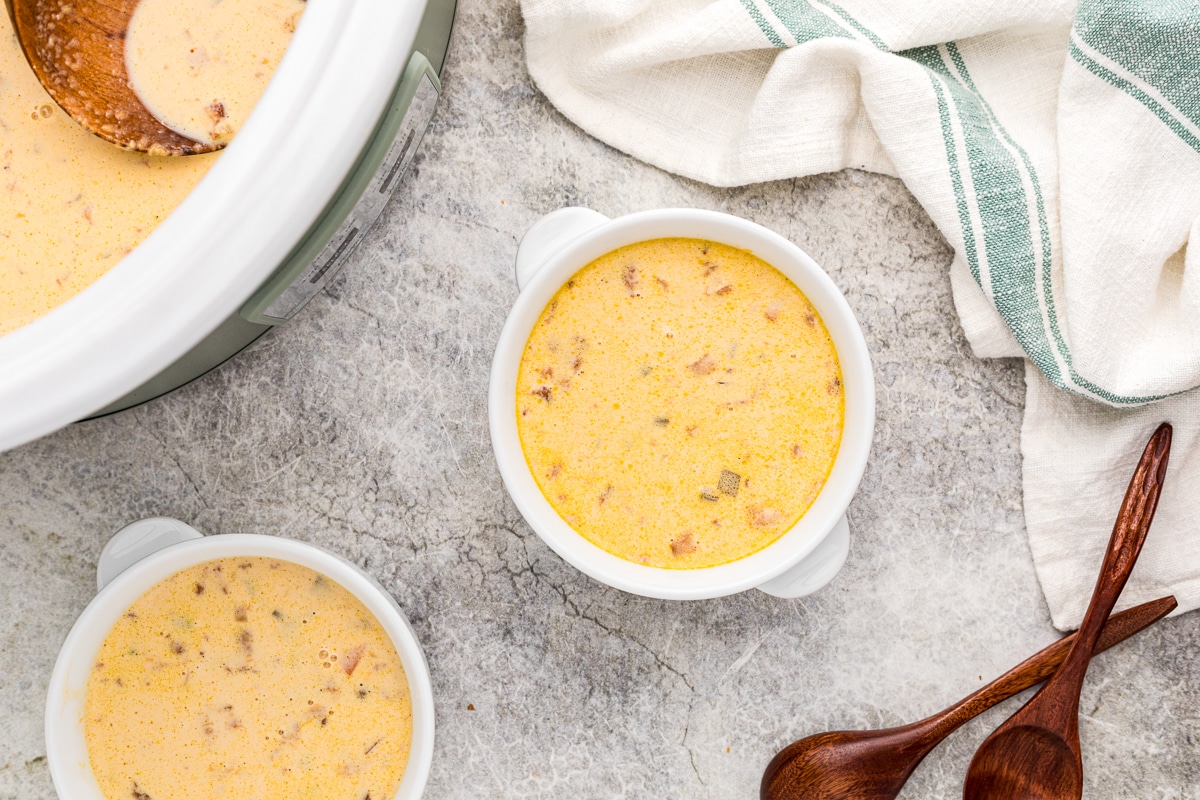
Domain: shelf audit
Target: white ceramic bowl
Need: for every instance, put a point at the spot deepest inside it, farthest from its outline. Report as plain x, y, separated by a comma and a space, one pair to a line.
802, 560
146, 552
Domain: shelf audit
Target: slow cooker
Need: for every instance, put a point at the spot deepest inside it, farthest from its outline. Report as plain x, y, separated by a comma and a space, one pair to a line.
267, 228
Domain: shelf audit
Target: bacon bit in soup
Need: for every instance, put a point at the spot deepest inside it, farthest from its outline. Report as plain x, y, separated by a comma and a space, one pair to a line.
683, 545
773, 310
544, 392
630, 278
704, 365
762, 517
353, 656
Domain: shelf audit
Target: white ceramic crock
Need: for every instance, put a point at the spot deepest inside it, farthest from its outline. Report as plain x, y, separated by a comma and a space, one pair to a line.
146, 552
231, 232
802, 560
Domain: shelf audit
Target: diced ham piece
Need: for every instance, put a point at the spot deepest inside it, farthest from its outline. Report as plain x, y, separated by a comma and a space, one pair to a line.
352, 658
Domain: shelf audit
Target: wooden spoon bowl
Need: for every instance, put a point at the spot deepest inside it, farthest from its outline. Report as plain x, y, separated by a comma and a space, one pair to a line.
77, 50
1035, 764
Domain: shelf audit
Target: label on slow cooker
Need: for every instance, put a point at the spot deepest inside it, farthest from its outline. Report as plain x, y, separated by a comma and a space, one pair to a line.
337, 251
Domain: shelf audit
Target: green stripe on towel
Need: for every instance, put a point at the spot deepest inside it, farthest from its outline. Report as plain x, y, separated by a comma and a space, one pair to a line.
858, 26
806, 23
766, 27
1136, 92
1153, 41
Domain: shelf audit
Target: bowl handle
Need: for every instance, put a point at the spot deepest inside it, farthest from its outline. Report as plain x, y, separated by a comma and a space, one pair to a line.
550, 234
136, 541
817, 568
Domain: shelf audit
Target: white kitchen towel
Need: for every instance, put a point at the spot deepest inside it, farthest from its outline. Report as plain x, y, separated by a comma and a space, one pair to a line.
1055, 145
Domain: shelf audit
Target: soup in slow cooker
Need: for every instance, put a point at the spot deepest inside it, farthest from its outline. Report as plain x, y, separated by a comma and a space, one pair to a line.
200, 66
71, 204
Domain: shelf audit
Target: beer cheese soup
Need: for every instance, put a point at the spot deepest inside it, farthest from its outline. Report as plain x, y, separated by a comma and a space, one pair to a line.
247, 679
679, 403
71, 204
199, 66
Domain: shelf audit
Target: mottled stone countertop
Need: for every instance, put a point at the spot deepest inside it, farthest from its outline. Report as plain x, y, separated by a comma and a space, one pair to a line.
361, 426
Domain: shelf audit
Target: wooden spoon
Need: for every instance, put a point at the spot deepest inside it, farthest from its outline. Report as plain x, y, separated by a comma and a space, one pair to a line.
874, 765
77, 51
1035, 753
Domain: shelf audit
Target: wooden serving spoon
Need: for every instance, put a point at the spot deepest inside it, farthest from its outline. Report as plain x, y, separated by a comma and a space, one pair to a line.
874, 765
77, 51
1034, 755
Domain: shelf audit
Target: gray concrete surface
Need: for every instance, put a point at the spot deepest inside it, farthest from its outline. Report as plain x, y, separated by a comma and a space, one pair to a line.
361, 427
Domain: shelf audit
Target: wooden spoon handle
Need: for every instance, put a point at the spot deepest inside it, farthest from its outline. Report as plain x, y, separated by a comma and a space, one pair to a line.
1129, 533
1043, 664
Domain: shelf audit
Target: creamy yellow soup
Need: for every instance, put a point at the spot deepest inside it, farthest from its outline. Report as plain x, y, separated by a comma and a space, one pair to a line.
248, 679
679, 403
200, 65
71, 204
